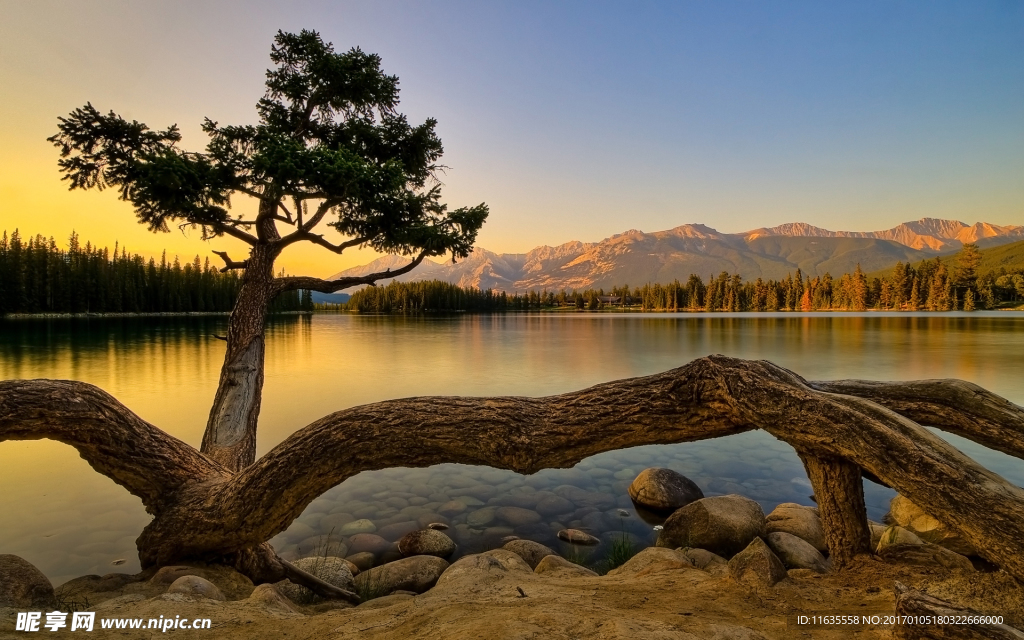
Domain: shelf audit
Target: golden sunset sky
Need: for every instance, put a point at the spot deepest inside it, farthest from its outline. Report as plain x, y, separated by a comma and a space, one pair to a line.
573, 121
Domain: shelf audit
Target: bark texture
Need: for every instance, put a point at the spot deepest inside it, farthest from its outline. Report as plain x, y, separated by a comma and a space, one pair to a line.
839, 492
915, 604
230, 436
202, 511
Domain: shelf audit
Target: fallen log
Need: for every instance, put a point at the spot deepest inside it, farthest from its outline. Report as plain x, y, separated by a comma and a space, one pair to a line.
203, 511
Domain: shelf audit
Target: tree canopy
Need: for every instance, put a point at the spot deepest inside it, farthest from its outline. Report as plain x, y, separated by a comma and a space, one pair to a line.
329, 146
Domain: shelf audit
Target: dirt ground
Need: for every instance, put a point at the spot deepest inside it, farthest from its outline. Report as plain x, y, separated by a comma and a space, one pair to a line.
664, 600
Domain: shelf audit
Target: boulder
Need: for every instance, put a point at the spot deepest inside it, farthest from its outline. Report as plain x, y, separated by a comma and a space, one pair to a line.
270, 599
357, 526
557, 566
724, 525
426, 542
925, 555
363, 561
798, 520
517, 516
415, 573
897, 536
660, 489
530, 551
912, 518
22, 585
330, 569
485, 567
796, 553
231, 583
481, 517
757, 565
196, 587
652, 559
706, 561
368, 542
575, 536
876, 532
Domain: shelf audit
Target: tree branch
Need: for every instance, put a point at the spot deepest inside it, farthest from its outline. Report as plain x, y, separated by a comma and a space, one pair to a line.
330, 286
235, 233
230, 264
708, 398
114, 441
956, 406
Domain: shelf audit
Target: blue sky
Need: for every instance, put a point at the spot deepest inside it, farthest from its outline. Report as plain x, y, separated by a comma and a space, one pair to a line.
573, 120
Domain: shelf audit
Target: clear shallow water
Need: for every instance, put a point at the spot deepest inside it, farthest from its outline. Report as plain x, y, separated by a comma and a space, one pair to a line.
68, 520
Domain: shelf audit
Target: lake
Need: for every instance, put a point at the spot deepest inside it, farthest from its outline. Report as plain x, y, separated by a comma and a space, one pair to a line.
59, 514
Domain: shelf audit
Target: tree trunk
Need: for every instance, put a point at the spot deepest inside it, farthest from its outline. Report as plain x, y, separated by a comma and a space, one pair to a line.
839, 491
204, 511
230, 436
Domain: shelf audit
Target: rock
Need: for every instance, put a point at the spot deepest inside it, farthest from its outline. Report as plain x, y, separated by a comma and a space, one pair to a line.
231, 583
357, 526
98, 584
925, 555
531, 552
485, 567
707, 561
723, 524
553, 506
362, 561
395, 532
481, 517
897, 535
558, 566
800, 521
270, 599
757, 565
575, 536
23, 585
428, 519
438, 526
368, 542
330, 569
426, 542
196, 587
796, 553
912, 518
876, 533
653, 558
583, 498
415, 573
517, 516
660, 489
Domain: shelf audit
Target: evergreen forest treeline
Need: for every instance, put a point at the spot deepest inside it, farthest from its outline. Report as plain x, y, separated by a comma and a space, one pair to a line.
933, 285
37, 276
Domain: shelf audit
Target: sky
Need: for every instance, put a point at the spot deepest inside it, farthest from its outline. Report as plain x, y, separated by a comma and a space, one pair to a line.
571, 120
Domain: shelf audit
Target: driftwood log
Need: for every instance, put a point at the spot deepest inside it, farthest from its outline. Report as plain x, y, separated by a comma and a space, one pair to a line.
203, 510
918, 612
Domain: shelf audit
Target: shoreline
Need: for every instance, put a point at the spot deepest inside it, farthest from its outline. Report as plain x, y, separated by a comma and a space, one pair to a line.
155, 314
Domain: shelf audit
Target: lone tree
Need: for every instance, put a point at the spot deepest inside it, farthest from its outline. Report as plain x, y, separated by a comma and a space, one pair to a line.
329, 149
329, 136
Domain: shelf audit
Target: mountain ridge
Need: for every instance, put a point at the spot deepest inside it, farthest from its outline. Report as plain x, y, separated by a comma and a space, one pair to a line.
636, 257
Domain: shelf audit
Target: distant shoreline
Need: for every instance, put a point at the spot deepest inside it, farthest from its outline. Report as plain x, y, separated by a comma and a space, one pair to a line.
155, 314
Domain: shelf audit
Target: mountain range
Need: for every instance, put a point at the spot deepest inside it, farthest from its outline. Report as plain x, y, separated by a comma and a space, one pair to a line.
636, 258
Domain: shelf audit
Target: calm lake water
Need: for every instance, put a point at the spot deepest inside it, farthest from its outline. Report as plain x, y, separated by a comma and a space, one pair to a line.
68, 520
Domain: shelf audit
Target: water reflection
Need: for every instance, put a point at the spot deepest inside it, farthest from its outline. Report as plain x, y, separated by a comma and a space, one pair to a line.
68, 520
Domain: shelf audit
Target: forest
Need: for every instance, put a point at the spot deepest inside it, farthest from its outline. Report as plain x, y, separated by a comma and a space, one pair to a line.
37, 276
934, 285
